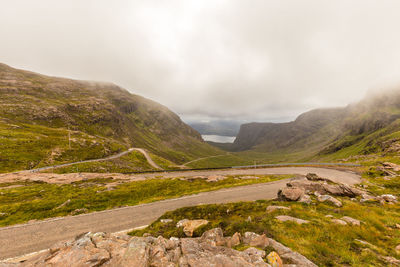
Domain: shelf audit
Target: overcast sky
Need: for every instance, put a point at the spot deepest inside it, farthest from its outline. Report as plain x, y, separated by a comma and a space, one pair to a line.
255, 60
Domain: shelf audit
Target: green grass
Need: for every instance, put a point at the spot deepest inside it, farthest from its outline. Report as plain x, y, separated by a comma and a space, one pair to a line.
132, 162
321, 241
26, 146
40, 200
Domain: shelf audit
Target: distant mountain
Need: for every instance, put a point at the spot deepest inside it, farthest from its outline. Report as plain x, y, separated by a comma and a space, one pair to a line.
360, 128
217, 127
36, 112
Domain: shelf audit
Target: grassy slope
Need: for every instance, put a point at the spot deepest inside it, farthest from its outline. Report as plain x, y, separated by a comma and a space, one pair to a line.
321, 241
40, 200
319, 135
44, 107
27, 146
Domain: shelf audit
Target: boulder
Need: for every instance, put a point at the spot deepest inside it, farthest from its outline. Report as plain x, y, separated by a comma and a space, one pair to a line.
330, 199
102, 249
391, 166
351, 221
215, 178
315, 177
255, 240
189, 226
254, 251
386, 171
284, 218
305, 199
274, 208
274, 260
325, 188
340, 222
234, 240
291, 194
388, 198
288, 255
215, 236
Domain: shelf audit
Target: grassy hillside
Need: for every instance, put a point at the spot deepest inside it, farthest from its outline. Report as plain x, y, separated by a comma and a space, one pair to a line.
373, 243
368, 127
36, 112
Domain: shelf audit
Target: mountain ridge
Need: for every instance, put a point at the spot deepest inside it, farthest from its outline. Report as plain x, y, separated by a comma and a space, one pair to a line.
95, 112
320, 132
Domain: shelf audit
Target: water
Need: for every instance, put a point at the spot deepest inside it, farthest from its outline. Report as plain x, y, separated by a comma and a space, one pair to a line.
218, 138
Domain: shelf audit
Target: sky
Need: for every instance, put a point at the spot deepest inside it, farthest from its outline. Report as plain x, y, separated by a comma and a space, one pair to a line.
257, 60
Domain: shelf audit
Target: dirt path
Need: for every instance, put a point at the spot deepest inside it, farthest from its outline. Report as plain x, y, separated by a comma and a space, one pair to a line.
21, 239
141, 150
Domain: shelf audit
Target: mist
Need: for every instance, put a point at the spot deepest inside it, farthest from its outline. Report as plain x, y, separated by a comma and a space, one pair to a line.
207, 60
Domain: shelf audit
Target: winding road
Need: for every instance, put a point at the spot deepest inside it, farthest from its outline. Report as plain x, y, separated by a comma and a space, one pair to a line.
26, 238
141, 150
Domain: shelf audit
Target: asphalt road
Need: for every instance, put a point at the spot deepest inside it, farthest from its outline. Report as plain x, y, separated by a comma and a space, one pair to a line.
21, 239
141, 150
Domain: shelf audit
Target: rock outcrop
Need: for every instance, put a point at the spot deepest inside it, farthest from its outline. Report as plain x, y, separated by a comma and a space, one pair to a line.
101, 249
189, 226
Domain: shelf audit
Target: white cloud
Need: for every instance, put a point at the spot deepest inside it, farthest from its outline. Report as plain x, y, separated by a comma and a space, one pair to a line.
252, 60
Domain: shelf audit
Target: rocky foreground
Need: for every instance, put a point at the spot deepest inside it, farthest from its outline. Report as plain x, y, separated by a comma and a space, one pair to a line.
211, 249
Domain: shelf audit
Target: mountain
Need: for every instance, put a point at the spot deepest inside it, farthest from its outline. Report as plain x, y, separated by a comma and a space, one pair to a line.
359, 128
217, 127
46, 120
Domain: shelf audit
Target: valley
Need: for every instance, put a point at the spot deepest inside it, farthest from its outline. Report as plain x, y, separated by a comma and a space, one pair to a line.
91, 156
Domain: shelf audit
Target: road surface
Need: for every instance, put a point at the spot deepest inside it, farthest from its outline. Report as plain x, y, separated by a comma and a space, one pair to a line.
21, 239
141, 150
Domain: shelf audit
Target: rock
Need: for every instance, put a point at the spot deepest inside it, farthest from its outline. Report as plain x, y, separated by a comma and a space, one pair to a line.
366, 197
166, 220
391, 166
254, 251
255, 240
397, 226
388, 198
284, 218
274, 260
391, 260
386, 171
340, 222
234, 240
305, 199
189, 226
101, 249
351, 221
215, 178
288, 255
215, 236
290, 194
329, 216
136, 253
315, 177
330, 199
325, 188
274, 208
397, 249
